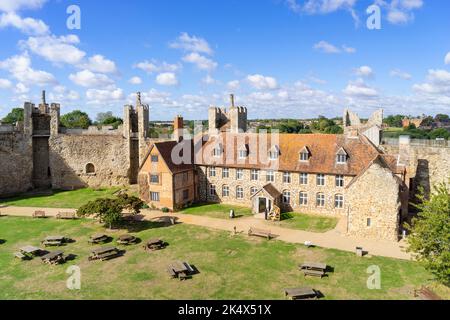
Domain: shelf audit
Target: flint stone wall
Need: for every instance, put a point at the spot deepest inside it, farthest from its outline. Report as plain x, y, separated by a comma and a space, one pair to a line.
69, 155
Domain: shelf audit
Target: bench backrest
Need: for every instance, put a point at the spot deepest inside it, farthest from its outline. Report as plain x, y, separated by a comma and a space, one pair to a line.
255, 230
39, 213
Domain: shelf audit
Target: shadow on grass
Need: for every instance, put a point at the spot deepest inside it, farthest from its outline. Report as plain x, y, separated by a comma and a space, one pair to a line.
2, 241
30, 195
158, 222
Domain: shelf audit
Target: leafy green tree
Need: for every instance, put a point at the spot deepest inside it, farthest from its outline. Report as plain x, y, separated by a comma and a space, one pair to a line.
102, 116
394, 121
76, 119
442, 118
439, 133
334, 129
430, 232
14, 116
110, 211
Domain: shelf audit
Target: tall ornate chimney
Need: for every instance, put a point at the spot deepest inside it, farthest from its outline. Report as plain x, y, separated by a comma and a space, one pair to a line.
232, 100
178, 128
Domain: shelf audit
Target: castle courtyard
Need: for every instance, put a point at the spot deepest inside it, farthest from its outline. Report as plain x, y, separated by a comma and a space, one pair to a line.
230, 266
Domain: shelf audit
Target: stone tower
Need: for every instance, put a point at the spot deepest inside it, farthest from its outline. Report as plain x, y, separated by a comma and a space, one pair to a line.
234, 121
135, 130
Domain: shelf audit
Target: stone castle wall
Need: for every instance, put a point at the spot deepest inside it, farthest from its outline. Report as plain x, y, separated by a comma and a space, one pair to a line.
375, 196
428, 166
16, 163
70, 155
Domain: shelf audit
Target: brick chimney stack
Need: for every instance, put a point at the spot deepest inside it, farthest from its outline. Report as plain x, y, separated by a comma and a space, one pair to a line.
178, 128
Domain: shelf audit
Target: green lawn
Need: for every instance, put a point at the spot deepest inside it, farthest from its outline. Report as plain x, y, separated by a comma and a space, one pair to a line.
60, 199
218, 210
231, 267
307, 222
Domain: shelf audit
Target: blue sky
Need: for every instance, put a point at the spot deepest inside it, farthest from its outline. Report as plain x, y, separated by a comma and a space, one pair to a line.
281, 58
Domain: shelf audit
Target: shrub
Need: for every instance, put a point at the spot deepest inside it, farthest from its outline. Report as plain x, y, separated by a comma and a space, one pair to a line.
165, 210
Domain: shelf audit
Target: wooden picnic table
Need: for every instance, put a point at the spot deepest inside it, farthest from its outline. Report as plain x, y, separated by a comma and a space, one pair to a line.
97, 238
313, 269
127, 239
54, 257
54, 241
300, 293
154, 244
180, 270
27, 252
104, 253
314, 266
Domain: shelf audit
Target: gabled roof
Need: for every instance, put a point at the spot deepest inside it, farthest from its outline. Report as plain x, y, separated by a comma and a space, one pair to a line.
270, 190
165, 150
322, 148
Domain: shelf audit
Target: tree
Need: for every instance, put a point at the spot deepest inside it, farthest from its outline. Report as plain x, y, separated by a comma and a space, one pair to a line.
110, 211
442, 118
102, 116
394, 121
439, 133
76, 119
14, 116
430, 232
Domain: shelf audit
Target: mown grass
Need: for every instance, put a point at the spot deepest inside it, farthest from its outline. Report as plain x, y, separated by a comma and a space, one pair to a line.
217, 210
231, 267
306, 222
60, 199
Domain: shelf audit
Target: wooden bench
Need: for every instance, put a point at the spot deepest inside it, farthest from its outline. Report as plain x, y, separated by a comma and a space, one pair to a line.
66, 215
314, 273
39, 214
20, 255
260, 233
426, 294
171, 272
301, 293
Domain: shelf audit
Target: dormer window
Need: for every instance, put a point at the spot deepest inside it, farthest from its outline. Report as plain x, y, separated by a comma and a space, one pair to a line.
304, 154
217, 151
341, 156
274, 153
243, 152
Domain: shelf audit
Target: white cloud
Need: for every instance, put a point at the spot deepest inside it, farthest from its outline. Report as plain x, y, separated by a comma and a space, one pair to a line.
102, 96
323, 7
262, 82
86, 78
155, 66
5, 84
438, 82
400, 11
56, 49
400, 74
191, 43
200, 61
327, 47
62, 94
364, 71
261, 96
25, 25
21, 88
135, 80
447, 58
359, 89
16, 5
167, 79
209, 80
233, 85
99, 63
19, 67
348, 49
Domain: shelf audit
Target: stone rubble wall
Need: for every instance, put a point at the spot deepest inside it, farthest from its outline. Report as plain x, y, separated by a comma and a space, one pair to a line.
16, 164
69, 155
375, 196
